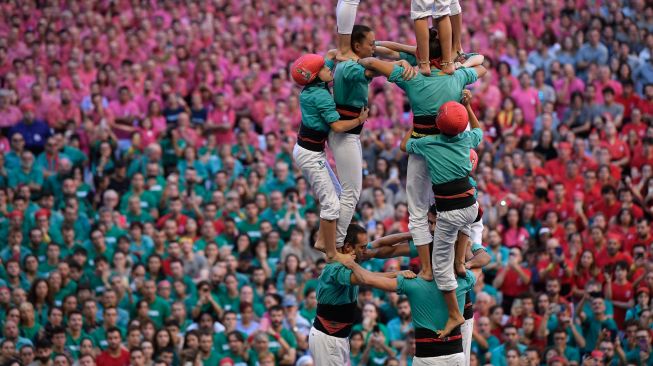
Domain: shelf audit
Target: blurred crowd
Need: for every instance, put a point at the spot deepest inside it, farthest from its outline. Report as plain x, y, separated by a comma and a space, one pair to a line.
150, 213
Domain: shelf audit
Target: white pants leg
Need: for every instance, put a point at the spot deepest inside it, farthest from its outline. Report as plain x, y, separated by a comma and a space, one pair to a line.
477, 232
466, 330
327, 350
346, 15
444, 239
348, 154
457, 359
419, 194
316, 170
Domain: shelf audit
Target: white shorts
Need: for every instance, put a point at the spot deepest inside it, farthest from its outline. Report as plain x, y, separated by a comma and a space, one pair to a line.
434, 8
328, 350
476, 232
457, 359
466, 329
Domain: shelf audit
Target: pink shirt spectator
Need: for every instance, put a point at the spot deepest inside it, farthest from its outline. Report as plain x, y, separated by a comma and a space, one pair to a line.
614, 84
565, 88
225, 119
528, 101
10, 116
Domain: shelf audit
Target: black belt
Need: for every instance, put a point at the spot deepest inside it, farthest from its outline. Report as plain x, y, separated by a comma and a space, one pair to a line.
348, 112
311, 139
428, 343
468, 312
335, 320
454, 195
424, 126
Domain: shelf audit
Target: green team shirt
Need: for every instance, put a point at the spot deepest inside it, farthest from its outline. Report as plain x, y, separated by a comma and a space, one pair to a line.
287, 336
159, 311
446, 157
427, 302
350, 85
427, 93
335, 286
317, 106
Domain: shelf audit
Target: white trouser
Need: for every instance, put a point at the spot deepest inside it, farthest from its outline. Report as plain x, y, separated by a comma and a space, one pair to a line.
434, 8
347, 151
444, 239
419, 194
457, 359
328, 350
466, 329
477, 232
316, 169
346, 15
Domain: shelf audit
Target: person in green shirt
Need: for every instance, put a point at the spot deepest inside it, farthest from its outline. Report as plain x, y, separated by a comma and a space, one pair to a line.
238, 352
425, 94
282, 341
110, 320
27, 173
75, 333
207, 352
319, 117
350, 93
159, 309
447, 157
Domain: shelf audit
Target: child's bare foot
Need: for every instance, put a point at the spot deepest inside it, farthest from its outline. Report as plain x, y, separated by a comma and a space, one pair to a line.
448, 67
460, 269
452, 323
426, 275
425, 68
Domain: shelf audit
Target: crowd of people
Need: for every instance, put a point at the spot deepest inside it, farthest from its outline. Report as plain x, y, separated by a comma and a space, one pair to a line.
151, 214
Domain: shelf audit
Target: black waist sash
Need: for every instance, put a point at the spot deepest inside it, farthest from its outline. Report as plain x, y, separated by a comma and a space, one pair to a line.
311, 139
424, 126
468, 313
335, 320
454, 195
427, 343
348, 112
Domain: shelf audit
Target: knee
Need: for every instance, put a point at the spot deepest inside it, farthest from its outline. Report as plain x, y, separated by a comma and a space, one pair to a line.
330, 209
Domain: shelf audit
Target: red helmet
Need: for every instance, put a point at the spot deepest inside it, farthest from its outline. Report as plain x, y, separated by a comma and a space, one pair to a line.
305, 69
452, 118
473, 158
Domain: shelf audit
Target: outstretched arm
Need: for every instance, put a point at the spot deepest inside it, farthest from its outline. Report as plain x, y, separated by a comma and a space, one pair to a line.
390, 240
475, 60
396, 47
361, 276
379, 66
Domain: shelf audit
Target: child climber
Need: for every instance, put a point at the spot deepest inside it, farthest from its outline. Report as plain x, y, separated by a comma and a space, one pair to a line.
319, 116
448, 160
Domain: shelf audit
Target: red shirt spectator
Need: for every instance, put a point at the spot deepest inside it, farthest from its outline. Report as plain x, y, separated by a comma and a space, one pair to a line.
115, 354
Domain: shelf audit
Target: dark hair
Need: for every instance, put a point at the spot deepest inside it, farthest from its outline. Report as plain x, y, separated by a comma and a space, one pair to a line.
352, 234
358, 34
113, 330
435, 51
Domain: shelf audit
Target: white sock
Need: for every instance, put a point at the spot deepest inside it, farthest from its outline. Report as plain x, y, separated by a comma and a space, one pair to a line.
346, 15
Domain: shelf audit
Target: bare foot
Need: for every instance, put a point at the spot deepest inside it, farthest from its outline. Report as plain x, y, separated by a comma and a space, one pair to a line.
345, 259
452, 323
460, 269
448, 68
425, 68
426, 275
344, 56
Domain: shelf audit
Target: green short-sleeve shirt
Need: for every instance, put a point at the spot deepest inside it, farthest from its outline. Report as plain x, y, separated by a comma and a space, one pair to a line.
427, 93
350, 84
446, 157
335, 286
318, 107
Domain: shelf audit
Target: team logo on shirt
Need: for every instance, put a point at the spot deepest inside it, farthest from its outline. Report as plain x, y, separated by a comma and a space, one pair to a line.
321, 164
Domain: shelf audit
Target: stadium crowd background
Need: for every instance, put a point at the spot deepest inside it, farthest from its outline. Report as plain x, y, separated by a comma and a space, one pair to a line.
147, 183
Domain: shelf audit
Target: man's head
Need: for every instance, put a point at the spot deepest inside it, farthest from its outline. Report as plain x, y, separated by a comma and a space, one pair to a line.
403, 309
510, 335
355, 241
276, 316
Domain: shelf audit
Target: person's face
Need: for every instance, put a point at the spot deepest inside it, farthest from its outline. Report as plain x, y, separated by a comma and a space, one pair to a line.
552, 287
325, 74
404, 310
163, 338
512, 358
510, 335
27, 355
206, 343
598, 306
613, 246
136, 358
8, 349
111, 317
608, 349
276, 318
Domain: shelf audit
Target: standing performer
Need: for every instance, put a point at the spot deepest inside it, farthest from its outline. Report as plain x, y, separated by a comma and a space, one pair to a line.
319, 116
337, 296
350, 92
426, 94
448, 159
427, 305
